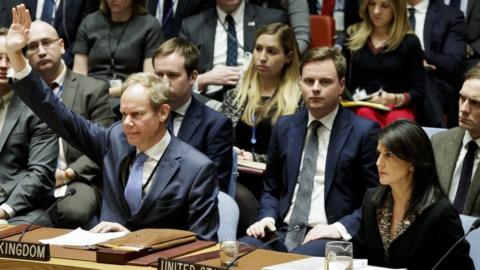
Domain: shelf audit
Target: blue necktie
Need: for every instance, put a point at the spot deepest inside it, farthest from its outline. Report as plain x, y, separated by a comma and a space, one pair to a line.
465, 177
47, 12
134, 188
167, 18
232, 52
455, 3
411, 18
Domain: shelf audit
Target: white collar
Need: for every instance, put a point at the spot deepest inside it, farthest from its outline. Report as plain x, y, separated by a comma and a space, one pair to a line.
327, 120
156, 151
182, 110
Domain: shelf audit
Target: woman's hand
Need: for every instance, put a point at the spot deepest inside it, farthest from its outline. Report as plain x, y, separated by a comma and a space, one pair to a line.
245, 155
383, 97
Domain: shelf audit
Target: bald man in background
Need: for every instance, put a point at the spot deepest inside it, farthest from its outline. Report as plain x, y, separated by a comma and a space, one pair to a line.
84, 95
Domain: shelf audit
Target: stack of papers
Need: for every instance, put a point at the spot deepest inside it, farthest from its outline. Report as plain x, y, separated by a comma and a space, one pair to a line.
316, 263
81, 237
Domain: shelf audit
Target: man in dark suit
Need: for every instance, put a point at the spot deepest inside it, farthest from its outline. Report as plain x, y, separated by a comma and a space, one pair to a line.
473, 34
65, 17
225, 36
320, 163
171, 13
150, 179
85, 95
28, 154
441, 30
209, 131
451, 149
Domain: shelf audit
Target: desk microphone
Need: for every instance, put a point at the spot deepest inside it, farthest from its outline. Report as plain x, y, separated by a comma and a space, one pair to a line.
70, 192
293, 229
474, 226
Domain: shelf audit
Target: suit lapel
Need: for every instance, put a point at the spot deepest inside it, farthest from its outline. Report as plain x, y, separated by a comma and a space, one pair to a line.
249, 28
208, 41
340, 131
191, 120
296, 135
11, 118
430, 19
70, 86
167, 167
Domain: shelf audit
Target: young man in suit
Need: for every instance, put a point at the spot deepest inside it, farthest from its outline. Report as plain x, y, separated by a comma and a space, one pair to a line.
456, 150
209, 131
150, 179
85, 95
320, 163
225, 36
28, 154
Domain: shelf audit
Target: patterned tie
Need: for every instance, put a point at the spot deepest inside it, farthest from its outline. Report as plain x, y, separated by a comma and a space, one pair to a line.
232, 52
167, 19
47, 12
411, 18
301, 207
134, 188
465, 177
170, 125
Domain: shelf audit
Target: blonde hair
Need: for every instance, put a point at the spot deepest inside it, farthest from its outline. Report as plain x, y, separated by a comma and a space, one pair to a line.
360, 32
159, 93
285, 99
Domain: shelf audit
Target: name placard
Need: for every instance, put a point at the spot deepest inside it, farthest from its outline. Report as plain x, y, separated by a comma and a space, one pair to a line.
24, 251
166, 264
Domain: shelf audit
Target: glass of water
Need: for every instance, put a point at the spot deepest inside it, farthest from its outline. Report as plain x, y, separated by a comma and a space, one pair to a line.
228, 252
339, 256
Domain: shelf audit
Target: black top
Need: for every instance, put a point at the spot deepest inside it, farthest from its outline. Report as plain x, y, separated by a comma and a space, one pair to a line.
436, 228
129, 43
397, 71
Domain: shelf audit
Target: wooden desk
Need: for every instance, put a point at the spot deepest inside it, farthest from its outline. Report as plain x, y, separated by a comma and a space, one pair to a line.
253, 261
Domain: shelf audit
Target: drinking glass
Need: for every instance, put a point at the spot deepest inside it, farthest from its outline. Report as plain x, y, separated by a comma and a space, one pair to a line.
339, 256
228, 252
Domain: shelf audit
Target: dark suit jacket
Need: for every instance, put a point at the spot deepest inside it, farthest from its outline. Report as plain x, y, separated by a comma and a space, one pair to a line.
88, 97
210, 132
473, 25
184, 189
185, 8
447, 146
28, 158
200, 29
67, 18
350, 167
436, 228
444, 38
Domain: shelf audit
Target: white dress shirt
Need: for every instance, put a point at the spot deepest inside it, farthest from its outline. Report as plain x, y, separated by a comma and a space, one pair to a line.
154, 154
420, 14
38, 13
458, 167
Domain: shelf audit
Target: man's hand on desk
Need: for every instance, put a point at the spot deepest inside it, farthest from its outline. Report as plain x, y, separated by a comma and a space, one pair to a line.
3, 215
106, 226
257, 229
321, 232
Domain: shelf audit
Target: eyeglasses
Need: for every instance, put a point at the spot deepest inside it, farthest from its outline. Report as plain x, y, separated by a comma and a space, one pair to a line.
46, 44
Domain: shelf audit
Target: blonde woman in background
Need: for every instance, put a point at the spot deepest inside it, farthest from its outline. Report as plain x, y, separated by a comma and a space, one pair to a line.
268, 89
385, 61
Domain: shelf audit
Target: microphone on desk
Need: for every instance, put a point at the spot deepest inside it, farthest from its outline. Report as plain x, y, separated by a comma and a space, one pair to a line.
70, 192
278, 236
474, 226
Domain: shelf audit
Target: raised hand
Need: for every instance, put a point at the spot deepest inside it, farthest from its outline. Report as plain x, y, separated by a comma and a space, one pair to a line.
18, 34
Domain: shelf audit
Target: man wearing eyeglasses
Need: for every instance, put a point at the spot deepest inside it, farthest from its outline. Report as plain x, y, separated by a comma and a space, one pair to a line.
84, 95
28, 153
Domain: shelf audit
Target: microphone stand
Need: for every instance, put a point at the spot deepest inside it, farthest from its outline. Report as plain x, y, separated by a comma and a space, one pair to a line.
295, 228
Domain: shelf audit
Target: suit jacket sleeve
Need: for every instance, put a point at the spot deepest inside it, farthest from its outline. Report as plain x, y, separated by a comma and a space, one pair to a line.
85, 135
300, 22
99, 112
449, 58
203, 209
37, 178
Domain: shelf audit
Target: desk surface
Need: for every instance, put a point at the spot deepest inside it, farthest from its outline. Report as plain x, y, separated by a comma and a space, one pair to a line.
253, 261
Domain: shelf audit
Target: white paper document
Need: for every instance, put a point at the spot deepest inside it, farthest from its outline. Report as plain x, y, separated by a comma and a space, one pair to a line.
316, 263
81, 237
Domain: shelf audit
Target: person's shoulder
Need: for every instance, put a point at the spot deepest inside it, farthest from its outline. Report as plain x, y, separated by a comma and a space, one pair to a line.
411, 39
446, 10
359, 122
447, 134
94, 17
85, 80
266, 13
190, 156
208, 13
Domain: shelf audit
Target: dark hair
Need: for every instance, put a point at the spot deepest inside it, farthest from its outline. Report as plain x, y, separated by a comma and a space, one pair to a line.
184, 48
409, 142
